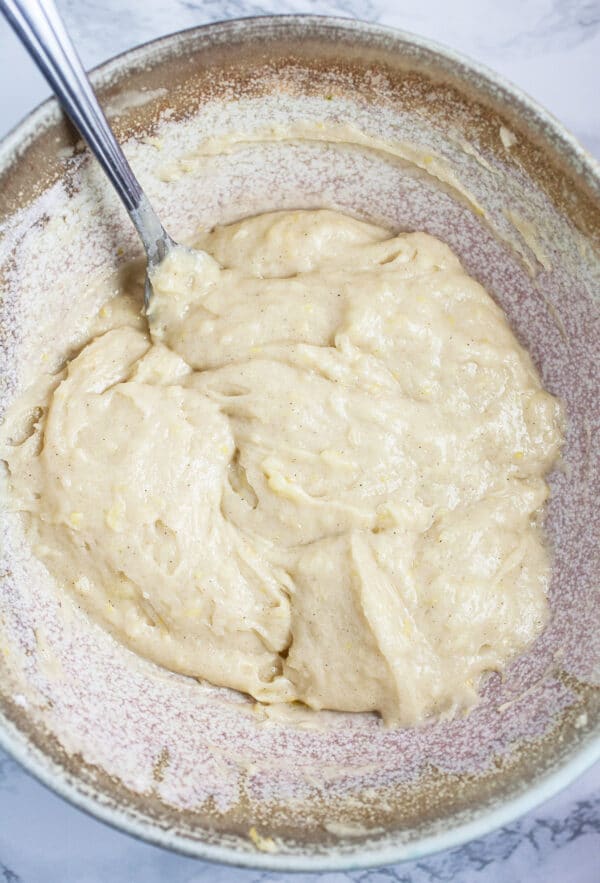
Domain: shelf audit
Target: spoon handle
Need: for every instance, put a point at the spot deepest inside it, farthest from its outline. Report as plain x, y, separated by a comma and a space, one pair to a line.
41, 30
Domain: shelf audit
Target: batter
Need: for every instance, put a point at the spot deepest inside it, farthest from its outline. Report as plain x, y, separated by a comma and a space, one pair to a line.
316, 476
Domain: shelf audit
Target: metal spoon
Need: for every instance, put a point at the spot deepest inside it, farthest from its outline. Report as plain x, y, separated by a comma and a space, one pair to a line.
42, 32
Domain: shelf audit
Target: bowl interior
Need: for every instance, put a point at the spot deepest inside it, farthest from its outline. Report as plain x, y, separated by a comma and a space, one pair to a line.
315, 113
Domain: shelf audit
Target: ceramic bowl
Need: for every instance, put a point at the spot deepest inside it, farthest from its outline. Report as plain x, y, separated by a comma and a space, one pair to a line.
384, 125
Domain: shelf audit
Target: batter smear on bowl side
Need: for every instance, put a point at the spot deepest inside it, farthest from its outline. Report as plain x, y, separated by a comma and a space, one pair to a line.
317, 475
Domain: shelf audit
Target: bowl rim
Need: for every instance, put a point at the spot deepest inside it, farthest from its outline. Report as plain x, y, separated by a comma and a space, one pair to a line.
15, 743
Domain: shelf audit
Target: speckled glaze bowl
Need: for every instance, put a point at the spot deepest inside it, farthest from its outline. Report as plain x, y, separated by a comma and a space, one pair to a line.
425, 140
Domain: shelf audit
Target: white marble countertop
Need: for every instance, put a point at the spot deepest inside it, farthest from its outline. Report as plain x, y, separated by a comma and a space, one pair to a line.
551, 48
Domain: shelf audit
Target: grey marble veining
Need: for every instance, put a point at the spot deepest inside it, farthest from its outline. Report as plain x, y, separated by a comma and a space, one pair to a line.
551, 48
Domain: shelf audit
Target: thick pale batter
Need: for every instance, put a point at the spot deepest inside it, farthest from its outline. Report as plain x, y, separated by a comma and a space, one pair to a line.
318, 478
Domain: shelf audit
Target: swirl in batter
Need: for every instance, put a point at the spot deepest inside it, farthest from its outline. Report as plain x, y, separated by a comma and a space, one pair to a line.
316, 476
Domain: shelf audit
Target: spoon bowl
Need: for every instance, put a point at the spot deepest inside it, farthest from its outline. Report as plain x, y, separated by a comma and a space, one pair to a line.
180, 763
41, 30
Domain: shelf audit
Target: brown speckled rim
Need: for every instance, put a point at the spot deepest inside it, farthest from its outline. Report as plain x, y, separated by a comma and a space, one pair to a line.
580, 162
